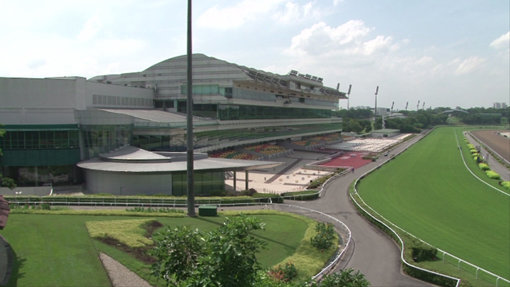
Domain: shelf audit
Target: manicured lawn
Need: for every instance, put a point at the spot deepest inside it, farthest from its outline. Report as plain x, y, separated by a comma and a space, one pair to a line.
428, 192
56, 250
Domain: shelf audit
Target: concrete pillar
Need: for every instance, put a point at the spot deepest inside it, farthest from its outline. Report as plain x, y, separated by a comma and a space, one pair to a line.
235, 180
246, 177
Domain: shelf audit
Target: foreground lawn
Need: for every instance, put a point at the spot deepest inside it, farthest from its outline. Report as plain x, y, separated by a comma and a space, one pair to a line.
56, 250
428, 192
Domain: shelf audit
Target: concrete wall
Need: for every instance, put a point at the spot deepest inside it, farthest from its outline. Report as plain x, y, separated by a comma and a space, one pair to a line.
118, 183
38, 101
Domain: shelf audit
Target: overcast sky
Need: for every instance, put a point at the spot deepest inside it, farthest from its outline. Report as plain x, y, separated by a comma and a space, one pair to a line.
444, 53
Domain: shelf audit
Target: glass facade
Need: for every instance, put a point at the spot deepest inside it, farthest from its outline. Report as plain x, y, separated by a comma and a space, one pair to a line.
104, 138
44, 175
39, 139
149, 142
205, 182
240, 112
202, 90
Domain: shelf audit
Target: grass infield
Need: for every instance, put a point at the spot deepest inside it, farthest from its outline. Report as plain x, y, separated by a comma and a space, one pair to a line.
428, 192
57, 250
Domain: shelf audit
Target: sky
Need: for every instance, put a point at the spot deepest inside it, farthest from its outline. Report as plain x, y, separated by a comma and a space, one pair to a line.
441, 53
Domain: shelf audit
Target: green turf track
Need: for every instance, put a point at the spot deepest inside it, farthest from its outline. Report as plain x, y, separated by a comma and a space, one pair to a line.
428, 192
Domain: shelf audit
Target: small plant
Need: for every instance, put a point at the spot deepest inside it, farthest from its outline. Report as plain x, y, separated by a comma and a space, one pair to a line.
483, 166
492, 174
285, 273
324, 237
422, 252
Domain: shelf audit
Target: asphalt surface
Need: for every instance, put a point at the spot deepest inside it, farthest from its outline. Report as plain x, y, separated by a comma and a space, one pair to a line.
372, 252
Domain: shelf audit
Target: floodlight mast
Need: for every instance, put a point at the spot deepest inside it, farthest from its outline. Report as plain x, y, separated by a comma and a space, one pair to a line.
375, 107
348, 96
189, 122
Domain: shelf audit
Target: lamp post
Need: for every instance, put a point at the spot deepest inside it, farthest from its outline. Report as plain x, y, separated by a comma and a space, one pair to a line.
348, 96
189, 122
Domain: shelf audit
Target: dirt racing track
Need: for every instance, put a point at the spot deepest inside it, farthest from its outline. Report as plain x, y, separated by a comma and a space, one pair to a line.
496, 141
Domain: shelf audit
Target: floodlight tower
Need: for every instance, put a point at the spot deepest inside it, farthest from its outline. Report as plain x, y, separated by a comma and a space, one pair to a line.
407, 104
375, 107
423, 105
348, 96
392, 105
418, 105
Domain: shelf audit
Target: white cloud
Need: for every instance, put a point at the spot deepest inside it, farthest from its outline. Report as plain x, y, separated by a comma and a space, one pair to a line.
236, 15
90, 29
293, 12
501, 42
350, 38
468, 65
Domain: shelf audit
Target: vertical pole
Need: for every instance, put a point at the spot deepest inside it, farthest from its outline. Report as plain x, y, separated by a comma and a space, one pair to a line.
235, 181
246, 182
189, 126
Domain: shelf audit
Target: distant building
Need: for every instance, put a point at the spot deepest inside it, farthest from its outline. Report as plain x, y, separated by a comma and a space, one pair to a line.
54, 123
501, 105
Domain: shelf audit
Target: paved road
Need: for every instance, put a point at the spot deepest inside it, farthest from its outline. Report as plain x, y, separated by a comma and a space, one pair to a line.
375, 254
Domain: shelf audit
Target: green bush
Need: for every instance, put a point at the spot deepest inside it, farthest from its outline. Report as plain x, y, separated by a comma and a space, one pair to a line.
483, 166
324, 237
422, 252
506, 184
492, 174
285, 273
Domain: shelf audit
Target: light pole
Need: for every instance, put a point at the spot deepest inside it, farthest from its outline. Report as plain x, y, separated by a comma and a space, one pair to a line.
348, 96
189, 122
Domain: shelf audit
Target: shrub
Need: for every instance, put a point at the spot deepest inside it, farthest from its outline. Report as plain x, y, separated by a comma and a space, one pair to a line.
421, 252
506, 184
483, 166
324, 237
345, 278
285, 273
492, 174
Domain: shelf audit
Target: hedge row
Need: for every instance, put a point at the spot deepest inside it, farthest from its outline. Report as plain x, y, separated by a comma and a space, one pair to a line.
145, 200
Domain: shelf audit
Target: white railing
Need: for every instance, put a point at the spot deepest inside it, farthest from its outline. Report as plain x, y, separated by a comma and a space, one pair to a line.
333, 263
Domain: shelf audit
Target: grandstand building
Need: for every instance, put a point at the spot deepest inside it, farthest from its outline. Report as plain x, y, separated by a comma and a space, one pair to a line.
53, 124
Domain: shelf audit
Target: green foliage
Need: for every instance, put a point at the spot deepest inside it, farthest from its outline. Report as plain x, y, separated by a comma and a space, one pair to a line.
422, 252
285, 273
154, 210
223, 257
492, 174
483, 166
129, 232
325, 234
506, 184
345, 278
177, 252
